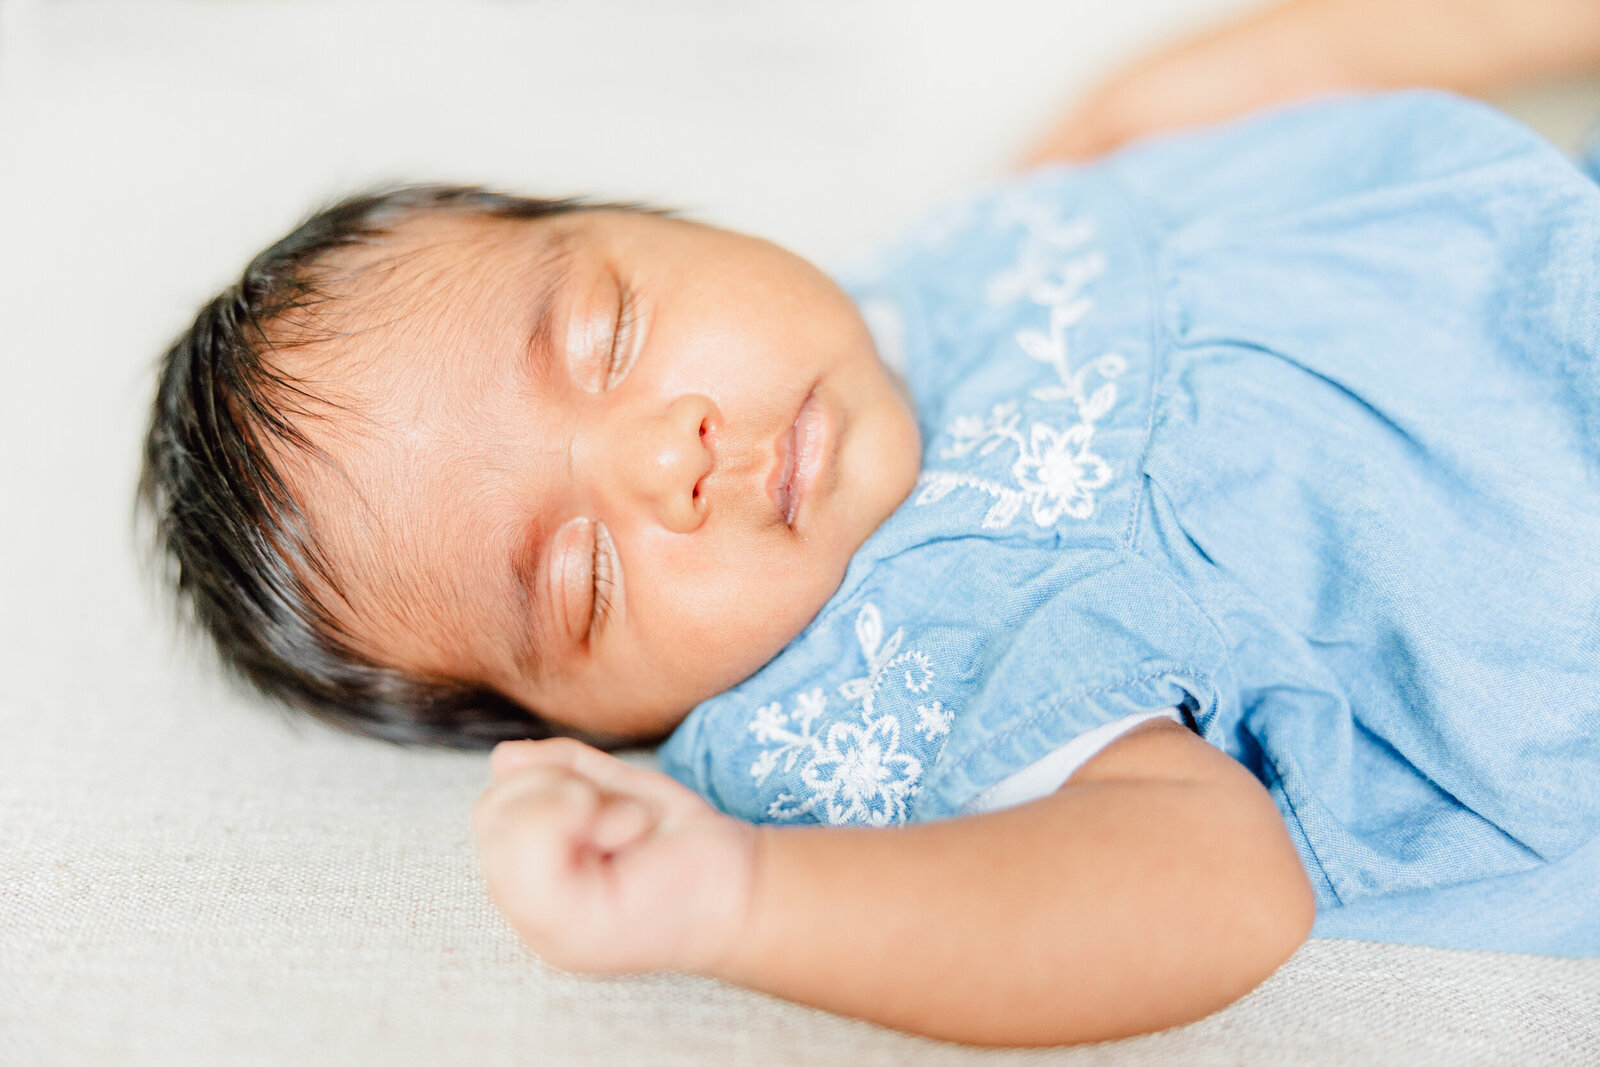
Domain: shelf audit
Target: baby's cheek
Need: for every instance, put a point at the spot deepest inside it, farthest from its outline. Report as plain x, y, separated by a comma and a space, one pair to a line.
701, 627
756, 620
711, 641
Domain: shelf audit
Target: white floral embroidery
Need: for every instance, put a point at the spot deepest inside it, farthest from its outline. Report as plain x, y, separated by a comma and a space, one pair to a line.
769, 722
860, 773
855, 771
919, 676
934, 720
1056, 470
1047, 239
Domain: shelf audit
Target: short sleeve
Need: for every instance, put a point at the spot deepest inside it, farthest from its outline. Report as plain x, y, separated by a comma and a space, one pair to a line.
1374, 451
1052, 771
1115, 640
911, 698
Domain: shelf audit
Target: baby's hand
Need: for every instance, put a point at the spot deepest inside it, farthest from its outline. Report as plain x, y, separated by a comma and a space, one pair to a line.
608, 868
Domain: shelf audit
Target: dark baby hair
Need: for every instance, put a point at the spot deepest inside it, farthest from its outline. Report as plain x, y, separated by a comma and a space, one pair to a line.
235, 545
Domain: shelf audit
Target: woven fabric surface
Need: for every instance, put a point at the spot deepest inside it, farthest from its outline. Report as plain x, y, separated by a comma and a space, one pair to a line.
255, 896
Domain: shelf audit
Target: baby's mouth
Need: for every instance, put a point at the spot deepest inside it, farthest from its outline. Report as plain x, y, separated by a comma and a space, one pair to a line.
782, 495
799, 457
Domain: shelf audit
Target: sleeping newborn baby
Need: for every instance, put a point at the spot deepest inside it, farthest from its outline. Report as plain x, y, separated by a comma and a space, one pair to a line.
1127, 567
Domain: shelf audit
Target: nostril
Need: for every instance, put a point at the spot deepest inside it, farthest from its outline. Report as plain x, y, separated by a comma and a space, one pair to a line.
707, 432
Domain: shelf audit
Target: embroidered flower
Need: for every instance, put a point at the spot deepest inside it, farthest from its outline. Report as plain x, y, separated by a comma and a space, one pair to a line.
1056, 471
919, 675
964, 429
765, 764
769, 722
854, 771
808, 706
1059, 473
934, 720
861, 774
1046, 239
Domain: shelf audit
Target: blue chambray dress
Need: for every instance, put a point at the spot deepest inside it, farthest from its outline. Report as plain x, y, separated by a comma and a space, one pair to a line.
1292, 426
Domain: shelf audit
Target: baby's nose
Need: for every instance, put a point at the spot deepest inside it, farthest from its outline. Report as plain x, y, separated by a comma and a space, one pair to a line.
660, 458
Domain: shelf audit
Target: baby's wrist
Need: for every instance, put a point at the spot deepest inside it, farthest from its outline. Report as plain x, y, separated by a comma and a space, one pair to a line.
731, 948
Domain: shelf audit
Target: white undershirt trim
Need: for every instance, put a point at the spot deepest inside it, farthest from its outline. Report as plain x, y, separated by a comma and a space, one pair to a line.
1046, 775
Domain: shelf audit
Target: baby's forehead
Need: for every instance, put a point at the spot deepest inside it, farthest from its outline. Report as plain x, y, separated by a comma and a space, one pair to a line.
434, 256
436, 280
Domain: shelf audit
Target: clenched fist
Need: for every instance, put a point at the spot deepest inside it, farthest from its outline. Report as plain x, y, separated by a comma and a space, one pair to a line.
608, 868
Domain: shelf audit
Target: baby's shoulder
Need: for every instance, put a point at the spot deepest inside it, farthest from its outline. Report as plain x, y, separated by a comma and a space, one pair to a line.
1295, 158
1022, 319
1322, 161
953, 665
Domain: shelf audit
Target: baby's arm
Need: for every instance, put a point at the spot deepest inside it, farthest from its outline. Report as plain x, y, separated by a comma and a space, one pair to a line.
1158, 885
1306, 47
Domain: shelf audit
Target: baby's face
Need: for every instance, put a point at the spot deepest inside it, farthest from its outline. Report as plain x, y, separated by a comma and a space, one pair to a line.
607, 463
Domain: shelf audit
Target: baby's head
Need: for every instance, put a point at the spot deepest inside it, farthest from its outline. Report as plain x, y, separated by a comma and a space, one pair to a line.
449, 466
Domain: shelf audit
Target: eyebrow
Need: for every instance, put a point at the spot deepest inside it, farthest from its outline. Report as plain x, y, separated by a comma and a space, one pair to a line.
525, 565
555, 269
530, 551
541, 339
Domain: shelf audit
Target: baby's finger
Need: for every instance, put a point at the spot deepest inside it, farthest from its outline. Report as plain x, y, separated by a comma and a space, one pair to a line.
511, 756
620, 822
603, 769
555, 803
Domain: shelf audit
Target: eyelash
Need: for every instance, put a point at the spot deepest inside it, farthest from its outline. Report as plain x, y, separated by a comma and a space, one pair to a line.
600, 564
620, 335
